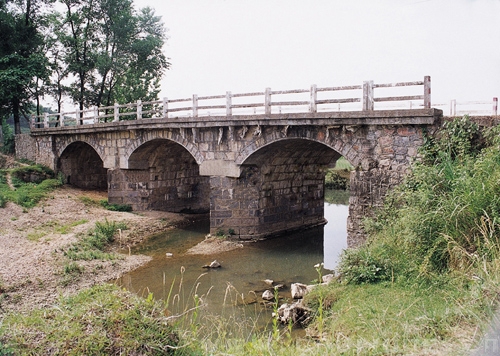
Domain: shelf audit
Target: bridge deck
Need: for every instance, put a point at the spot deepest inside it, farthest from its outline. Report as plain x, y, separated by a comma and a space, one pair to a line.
381, 117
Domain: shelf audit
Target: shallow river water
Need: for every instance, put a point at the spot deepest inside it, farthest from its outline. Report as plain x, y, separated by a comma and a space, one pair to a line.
230, 291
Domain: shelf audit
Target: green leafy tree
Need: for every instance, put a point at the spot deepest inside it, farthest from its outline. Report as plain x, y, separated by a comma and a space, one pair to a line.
112, 53
22, 61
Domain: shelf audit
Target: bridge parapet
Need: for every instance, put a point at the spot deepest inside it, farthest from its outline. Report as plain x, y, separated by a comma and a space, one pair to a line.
297, 101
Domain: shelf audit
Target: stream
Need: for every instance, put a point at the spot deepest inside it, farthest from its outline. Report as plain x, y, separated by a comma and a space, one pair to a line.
233, 291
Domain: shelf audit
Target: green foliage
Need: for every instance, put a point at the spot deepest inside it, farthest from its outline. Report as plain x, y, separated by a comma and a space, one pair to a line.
444, 216
459, 138
363, 265
22, 59
31, 174
333, 180
93, 245
111, 52
116, 207
8, 137
102, 320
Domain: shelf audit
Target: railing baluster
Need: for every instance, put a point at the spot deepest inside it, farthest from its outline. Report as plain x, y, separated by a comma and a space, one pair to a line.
427, 92
267, 101
368, 102
314, 96
116, 113
45, 120
495, 106
229, 110
195, 105
165, 107
139, 109
96, 114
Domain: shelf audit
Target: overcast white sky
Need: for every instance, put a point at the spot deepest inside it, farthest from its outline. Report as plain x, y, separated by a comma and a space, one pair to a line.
248, 45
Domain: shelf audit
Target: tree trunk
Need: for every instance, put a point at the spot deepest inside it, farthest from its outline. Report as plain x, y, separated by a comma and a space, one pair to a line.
15, 113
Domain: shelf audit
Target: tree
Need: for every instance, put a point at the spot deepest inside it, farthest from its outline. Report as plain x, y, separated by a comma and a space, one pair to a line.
21, 59
112, 53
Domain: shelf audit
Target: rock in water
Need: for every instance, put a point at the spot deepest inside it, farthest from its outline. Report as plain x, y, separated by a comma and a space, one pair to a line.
267, 295
295, 313
268, 281
214, 264
298, 290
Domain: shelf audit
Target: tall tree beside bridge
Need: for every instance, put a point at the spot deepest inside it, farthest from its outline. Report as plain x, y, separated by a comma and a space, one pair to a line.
22, 61
112, 52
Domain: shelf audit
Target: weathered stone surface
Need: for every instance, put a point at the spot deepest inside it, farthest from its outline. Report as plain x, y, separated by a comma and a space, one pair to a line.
257, 176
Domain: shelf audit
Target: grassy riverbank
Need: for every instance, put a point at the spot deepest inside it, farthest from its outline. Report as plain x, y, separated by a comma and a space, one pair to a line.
426, 282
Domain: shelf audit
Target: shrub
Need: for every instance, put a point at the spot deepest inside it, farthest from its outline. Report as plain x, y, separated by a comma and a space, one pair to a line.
116, 207
361, 265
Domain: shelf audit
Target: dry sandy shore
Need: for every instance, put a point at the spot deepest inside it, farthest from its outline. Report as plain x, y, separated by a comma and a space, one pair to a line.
31, 248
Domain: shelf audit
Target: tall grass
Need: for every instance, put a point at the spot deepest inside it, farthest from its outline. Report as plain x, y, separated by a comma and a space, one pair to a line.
102, 320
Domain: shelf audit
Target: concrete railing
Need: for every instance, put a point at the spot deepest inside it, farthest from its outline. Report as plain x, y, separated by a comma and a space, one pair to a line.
264, 103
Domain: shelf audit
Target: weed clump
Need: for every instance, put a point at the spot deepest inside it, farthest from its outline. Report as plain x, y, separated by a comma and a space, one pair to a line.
93, 245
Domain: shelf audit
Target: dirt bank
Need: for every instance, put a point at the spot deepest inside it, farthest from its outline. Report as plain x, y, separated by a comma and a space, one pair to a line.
32, 243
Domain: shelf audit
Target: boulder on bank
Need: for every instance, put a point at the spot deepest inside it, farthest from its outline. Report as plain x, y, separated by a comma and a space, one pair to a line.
295, 313
299, 290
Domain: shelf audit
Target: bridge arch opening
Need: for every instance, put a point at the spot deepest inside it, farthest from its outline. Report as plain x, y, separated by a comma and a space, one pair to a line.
281, 188
82, 166
161, 175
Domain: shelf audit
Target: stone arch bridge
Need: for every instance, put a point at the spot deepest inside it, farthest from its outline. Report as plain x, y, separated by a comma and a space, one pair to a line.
257, 174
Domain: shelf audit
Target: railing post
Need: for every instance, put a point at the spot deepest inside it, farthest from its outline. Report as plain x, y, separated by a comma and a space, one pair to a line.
427, 92
46, 120
165, 107
229, 110
453, 107
139, 109
495, 106
195, 105
96, 114
314, 96
267, 102
368, 103
116, 113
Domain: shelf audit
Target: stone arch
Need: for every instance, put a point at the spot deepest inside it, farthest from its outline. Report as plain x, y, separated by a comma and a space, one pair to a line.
170, 135
82, 166
334, 141
163, 175
69, 140
281, 188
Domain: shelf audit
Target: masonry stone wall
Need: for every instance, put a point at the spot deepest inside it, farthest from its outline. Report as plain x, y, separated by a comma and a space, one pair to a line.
257, 176
26, 147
